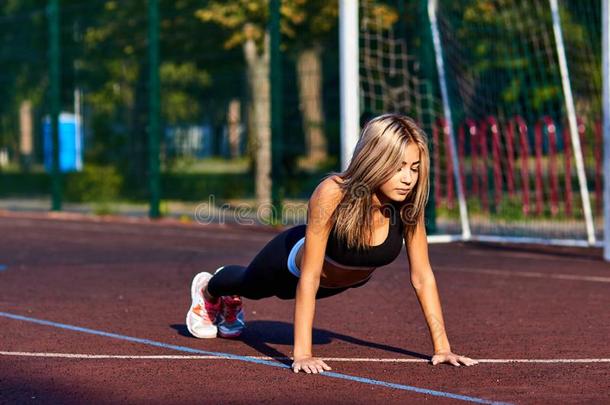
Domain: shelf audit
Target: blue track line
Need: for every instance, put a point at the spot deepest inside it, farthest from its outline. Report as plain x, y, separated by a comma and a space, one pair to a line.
3, 267
248, 359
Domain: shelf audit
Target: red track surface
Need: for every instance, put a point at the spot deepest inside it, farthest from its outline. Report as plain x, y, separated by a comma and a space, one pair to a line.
133, 279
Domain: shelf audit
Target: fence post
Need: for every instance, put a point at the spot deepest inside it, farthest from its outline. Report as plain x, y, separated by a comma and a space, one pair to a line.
55, 100
153, 108
275, 80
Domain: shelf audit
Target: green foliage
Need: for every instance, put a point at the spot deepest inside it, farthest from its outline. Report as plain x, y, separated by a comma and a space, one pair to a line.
304, 23
178, 80
95, 184
198, 187
104, 54
22, 60
189, 164
507, 52
510, 209
24, 184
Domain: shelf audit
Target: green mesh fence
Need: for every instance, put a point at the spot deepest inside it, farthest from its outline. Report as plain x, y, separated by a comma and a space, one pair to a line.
214, 72
514, 155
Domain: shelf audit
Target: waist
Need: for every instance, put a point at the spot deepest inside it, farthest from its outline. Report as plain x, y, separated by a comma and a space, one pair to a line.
338, 275
341, 266
333, 274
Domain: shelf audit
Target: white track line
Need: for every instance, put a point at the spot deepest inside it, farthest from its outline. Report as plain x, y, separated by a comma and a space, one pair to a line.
339, 359
597, 279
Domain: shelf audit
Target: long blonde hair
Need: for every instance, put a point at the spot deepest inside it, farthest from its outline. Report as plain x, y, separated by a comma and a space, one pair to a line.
377, 156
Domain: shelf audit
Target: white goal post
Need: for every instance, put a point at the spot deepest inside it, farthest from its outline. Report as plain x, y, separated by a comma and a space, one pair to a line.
606, 121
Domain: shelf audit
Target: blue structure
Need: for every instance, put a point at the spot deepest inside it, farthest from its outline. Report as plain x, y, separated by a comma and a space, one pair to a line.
70, 144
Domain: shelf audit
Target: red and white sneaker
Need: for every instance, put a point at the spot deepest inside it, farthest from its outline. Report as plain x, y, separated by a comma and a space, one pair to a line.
231, 323
203, 315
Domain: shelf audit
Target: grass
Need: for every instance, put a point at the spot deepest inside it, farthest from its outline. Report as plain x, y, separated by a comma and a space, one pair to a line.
511, 209
211, 165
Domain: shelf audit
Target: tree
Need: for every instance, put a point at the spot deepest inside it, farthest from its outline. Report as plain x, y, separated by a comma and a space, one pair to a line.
314, 21
113, 68
22, 78
511, 58
246, 21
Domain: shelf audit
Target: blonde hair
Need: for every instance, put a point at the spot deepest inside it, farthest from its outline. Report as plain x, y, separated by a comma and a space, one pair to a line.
376, 158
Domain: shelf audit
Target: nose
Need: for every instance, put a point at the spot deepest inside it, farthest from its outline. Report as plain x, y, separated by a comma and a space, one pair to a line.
407, 178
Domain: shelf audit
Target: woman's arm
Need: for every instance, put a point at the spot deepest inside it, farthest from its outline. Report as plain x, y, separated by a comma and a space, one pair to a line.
322, 204
424, 284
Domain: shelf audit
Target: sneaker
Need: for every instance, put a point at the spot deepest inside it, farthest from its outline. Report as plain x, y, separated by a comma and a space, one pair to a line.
203, 315
232, 317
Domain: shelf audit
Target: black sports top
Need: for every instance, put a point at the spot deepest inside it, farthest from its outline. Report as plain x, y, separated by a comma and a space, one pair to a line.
374, 256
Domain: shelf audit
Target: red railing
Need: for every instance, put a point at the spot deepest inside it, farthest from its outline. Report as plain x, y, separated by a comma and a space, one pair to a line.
567, 157
598, 156
505, 151
491, 124
524, 151
549, 125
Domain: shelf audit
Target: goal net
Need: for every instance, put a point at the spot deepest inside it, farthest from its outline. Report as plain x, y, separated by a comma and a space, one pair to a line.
500, 65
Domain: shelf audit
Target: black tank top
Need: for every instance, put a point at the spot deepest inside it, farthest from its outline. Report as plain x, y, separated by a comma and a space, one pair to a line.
374, 256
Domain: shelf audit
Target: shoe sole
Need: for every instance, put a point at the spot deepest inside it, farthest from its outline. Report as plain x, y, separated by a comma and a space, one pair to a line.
228, 336
194, 288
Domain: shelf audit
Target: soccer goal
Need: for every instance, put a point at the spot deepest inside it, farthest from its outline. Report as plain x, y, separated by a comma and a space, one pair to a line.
510, 94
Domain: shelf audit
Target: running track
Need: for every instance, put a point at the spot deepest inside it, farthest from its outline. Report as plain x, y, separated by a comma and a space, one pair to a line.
93, 311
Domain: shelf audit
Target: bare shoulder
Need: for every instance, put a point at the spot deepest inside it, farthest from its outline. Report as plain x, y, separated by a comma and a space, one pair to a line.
328, 191
325, 199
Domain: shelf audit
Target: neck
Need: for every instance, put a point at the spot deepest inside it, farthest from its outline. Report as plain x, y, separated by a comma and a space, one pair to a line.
380, 201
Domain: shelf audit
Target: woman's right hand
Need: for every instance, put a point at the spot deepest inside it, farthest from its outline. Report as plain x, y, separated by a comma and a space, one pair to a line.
309, 365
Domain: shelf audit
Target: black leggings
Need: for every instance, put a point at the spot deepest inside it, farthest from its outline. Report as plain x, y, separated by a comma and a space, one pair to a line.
267, 275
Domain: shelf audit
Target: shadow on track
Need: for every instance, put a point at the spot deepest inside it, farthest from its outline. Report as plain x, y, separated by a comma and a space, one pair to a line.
259, 334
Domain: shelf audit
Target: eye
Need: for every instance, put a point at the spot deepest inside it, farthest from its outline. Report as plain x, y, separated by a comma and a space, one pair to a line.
415, 169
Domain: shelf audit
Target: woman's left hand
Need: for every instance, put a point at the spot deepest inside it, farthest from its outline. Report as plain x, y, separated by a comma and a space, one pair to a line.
455, 359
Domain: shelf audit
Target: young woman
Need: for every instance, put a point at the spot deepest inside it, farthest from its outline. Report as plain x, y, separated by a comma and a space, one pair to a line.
356, 222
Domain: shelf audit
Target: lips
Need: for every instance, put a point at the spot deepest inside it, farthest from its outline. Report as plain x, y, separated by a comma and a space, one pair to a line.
403, 190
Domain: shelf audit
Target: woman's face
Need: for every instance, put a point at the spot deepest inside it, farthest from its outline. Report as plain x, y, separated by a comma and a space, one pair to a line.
403, 182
